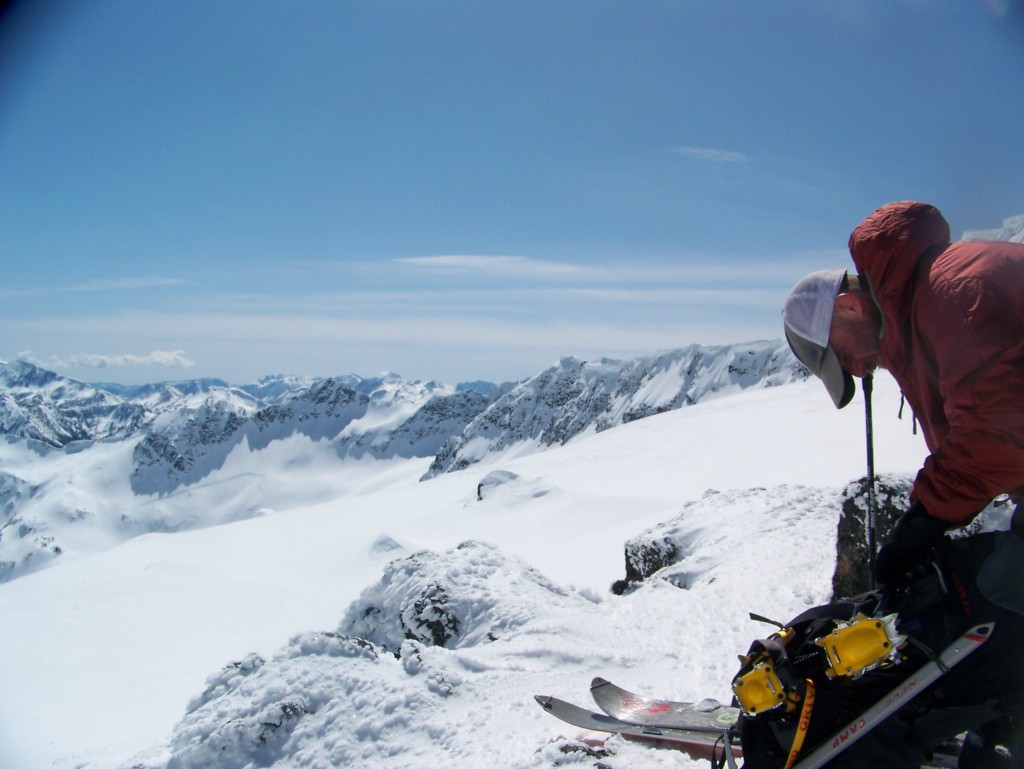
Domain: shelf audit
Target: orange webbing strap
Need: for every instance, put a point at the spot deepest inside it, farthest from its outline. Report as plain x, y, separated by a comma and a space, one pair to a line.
802, 724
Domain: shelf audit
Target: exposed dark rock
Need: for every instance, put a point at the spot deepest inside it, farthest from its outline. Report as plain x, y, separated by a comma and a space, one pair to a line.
853, 573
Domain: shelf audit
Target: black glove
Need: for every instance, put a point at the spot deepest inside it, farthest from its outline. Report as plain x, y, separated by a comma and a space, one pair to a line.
913, 537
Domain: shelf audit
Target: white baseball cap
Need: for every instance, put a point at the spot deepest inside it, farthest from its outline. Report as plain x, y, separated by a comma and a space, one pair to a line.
808, 319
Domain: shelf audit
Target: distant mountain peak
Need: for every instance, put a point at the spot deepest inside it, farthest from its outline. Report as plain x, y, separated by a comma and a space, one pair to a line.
576, 396
1011, 231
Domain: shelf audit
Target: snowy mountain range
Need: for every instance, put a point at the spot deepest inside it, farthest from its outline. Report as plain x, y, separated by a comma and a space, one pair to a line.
383, 416
169, 438
575, 396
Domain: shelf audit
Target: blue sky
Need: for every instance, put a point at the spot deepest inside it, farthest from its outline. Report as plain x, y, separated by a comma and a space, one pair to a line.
468, 190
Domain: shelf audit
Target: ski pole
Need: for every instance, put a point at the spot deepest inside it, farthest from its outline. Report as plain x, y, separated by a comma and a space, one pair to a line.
867, 384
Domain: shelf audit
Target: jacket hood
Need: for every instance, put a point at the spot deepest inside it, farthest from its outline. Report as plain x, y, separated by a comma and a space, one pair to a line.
889, 245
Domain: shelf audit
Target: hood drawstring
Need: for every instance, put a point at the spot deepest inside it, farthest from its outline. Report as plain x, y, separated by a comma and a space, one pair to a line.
913, 416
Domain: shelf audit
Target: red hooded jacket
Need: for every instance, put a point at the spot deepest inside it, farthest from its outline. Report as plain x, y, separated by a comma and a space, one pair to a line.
953, 338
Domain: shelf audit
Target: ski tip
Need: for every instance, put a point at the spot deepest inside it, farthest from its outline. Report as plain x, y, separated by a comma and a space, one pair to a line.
980, 633
598, 681
544, 700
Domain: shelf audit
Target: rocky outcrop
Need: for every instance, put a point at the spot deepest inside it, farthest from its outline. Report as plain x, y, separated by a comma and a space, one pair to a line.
853, 565
448, 599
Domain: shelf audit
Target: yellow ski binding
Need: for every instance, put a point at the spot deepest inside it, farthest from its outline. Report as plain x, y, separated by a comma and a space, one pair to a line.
759, 689
864, 643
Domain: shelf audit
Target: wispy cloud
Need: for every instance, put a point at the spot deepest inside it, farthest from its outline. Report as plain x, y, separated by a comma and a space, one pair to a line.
713, 155
743, 296
122, 284
505, 265
164, 358
94, 286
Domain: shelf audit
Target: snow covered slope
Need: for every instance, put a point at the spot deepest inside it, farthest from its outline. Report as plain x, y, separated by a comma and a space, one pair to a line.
232, 645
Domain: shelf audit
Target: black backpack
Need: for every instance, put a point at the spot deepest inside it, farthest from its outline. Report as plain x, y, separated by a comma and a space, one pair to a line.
830, 663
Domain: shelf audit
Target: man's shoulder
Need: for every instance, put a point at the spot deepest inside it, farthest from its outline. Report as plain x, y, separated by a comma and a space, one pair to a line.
979, 260
973, 282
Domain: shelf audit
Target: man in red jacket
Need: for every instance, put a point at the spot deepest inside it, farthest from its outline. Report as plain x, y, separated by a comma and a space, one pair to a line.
947, 321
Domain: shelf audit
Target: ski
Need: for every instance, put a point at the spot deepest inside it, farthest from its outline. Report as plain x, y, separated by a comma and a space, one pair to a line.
698, 743
707, 715
708, 729
909, 688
